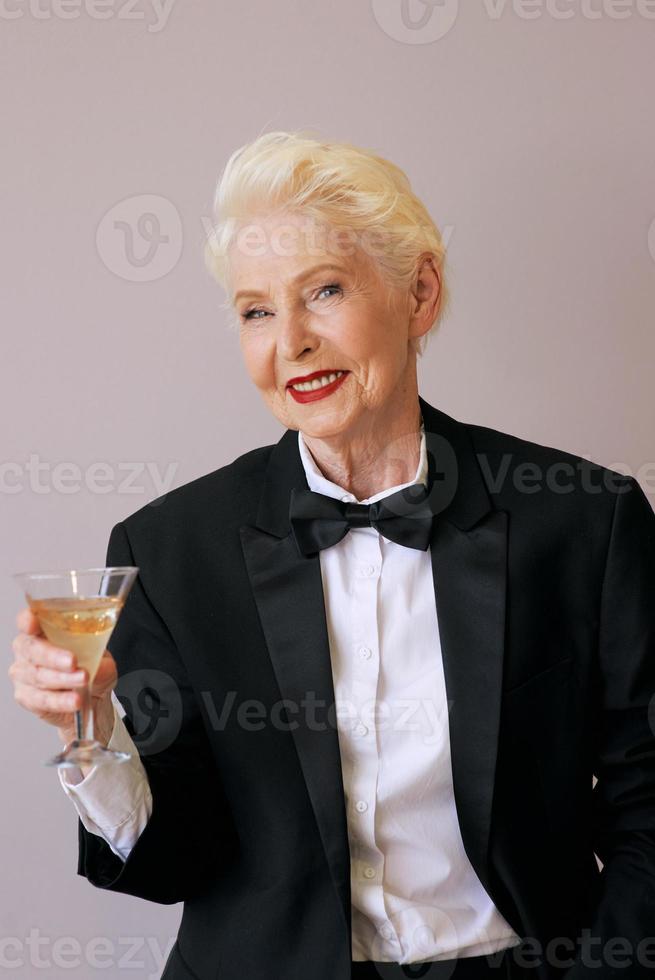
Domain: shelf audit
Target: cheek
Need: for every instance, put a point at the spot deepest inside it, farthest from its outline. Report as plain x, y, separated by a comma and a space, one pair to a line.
256, 362
354, 333
375, 332
378, 344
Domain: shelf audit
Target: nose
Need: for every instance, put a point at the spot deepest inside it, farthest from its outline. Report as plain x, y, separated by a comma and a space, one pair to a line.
295, 337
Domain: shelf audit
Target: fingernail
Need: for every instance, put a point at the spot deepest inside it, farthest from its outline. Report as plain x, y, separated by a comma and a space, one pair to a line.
64, 661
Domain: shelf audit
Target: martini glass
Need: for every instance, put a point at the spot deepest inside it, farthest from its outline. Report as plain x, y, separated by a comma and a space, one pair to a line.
77, 610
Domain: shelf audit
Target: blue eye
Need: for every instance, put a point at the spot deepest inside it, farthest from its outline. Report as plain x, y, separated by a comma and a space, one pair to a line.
332, 285
250, 314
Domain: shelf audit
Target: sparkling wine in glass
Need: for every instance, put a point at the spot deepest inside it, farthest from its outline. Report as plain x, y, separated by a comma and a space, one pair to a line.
77, 611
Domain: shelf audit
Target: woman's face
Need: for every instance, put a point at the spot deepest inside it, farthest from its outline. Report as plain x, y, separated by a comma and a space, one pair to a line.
298, 318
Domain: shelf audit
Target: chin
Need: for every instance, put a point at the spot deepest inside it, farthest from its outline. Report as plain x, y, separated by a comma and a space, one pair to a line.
316, 420
324, 428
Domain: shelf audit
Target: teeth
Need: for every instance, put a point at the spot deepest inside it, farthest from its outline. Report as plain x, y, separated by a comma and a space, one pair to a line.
321, 382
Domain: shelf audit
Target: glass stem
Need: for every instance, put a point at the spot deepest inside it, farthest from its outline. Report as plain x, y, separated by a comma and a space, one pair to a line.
84, 717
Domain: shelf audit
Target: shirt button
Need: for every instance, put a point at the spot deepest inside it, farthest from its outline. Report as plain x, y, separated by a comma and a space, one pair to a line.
360, 729
346, 497
361, 806
386, 932
365, 653
369, 872
367, 570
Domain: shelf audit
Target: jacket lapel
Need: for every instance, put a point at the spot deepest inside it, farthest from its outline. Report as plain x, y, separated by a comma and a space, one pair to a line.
288, 591
468, 551
289, 595
469, 570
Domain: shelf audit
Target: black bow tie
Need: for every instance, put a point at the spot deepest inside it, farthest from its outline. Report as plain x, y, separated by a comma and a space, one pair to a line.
319, 521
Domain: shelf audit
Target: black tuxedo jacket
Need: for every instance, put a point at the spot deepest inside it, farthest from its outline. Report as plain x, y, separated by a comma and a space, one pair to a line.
544, 574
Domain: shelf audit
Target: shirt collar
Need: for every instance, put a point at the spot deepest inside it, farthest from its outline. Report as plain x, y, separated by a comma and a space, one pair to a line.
320, 483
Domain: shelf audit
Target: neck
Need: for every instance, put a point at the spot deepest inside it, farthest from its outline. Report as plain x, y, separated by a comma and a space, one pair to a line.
382, 452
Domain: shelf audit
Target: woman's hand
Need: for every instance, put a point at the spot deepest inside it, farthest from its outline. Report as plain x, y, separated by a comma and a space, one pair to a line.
47, 682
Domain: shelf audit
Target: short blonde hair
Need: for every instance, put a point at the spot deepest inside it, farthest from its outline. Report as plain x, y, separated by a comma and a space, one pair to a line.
335, 183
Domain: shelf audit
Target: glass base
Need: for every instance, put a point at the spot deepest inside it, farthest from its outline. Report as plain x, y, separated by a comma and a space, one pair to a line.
81, 752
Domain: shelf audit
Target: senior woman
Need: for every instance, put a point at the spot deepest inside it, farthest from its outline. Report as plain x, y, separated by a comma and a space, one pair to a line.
369, 672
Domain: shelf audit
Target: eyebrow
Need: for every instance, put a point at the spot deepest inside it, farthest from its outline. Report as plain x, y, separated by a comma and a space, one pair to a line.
299, 278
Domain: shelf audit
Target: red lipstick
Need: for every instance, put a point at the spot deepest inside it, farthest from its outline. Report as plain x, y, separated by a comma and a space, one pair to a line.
312, 396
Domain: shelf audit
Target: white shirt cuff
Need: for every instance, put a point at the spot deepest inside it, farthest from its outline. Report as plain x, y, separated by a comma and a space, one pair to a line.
113, 801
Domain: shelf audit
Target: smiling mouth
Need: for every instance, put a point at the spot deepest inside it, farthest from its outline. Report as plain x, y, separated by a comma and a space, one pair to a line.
317, 386
314, 382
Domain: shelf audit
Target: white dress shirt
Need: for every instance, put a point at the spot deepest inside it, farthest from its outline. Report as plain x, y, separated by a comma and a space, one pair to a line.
415, 894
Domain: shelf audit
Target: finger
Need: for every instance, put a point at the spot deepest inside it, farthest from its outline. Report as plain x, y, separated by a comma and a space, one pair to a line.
40, 651
35, 700
27, 622
35, 675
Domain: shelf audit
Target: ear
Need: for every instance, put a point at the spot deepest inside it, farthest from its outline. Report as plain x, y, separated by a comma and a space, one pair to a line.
425, 296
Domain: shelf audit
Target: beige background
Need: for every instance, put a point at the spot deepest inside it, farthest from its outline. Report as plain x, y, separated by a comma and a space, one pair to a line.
528, 132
